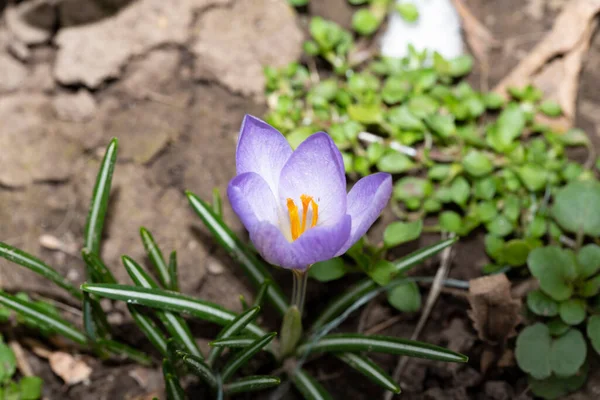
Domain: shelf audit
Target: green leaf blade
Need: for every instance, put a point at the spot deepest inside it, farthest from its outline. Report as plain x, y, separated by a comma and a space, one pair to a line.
244, 355
370, 370
251, 384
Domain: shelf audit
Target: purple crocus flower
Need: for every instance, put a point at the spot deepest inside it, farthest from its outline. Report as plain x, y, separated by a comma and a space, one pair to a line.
294, 203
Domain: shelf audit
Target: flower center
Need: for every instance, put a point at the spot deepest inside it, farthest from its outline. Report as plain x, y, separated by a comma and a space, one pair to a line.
297, 224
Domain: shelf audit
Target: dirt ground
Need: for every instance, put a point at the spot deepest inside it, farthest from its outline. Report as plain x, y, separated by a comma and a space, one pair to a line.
172, 80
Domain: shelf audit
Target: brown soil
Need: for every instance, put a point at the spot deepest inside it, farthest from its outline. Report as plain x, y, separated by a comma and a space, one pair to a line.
177, 119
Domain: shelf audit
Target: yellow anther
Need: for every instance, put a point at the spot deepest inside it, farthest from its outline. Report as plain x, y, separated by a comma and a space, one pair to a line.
297, 225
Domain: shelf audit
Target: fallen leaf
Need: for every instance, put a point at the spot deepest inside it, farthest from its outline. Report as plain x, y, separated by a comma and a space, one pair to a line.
555, 62
494, 312
478, 37
69, 369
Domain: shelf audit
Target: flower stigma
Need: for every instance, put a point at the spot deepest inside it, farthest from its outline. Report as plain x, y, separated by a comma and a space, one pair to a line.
298, 226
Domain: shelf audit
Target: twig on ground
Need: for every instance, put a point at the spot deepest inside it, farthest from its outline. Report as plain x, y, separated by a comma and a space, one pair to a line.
22, 363
434, 293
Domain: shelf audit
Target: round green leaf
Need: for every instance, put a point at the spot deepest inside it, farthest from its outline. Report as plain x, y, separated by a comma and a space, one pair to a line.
485, 189
551, 108
477, 163
494, 247
487, 210
382, 272
555, 269
401, 232
593, 332
395, 163
534, 177
412, 188
572, 311
439, 172
500, 226
576, 207
365, 22
443, 125
588, 259
460, 190
403, 118
329, 270
408, 11
450, 221
556, 387
533, 350
557, 327
405, 298
516, 252
567, 353
539, 303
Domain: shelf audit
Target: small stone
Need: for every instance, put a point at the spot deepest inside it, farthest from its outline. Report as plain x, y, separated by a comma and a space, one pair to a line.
214, 267
50, 242
78, 107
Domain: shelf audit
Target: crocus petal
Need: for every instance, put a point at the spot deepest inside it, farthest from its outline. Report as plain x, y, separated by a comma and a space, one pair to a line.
316, 169
366, 200
252, 200
316, 244
261, 149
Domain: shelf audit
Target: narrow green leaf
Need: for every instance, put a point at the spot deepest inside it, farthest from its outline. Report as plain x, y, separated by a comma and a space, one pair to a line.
126, 351
342, 302
175, 325
262, 291
407, 262
309, 387
245, 355
251, 384
33, 312
371, 370
199, 368
234, 342
99, 202
232, 329
172, 385
152, 332
381, 344
170, 301
217, 205
254, 269
156, 257
173, 271
88, 319
99, 271
28, 261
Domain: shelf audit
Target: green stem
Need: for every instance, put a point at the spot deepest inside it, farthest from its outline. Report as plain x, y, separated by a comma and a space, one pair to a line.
299, 289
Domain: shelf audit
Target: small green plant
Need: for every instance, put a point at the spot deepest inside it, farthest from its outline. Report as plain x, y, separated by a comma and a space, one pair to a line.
160, 312
27, 388
554, 351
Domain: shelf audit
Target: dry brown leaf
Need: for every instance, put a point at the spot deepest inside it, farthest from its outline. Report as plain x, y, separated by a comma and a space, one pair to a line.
494, 312
559, 80
478, 37
71, 370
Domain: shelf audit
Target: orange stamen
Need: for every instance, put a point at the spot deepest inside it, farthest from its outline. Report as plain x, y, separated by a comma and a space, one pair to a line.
297, 225
294, 218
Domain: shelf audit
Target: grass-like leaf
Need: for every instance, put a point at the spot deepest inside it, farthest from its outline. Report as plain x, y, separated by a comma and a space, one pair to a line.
309, 387
198, 367
254, 269
341, 303
354, 342
175, 325
252, 384
234, 342
88, 319
371, 370
262, 291
232, 329
29, 310
173, 271
152, 332
99, 202
172, 385
407, 262
217, 204
245, 355
166, 300
99, 271
28, 261
156, 257
125, 351
365, 287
